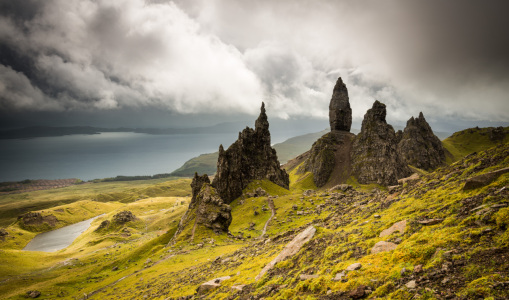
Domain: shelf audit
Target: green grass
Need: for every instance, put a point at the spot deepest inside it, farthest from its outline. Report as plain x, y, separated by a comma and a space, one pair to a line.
468, 141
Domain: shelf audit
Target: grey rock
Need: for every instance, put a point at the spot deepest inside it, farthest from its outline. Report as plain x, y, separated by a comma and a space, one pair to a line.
374, 151
124, 217
307, 276
211, 285
419, 146
484, 179
398, 226
383, 246
290, 249
340, 113
355, 266
411, 284
250, 158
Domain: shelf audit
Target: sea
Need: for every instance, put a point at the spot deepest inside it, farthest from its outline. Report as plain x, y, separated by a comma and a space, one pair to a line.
107, 154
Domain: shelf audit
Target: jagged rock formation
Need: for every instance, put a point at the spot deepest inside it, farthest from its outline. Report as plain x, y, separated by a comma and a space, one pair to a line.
196, 185
329, 158
250, 158
374, 151
340, 113
206, 208
419, 147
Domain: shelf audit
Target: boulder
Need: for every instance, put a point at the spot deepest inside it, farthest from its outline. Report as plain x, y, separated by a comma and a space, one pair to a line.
483, 179
211, 285
355, 266
340, 113
383, 246
33, 294
250, 158
290, 249
374, 151
358, 292
211, 211
419, 146
399, 226
430, 222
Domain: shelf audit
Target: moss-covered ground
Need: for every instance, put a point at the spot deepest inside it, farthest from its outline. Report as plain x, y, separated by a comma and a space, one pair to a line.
464, 254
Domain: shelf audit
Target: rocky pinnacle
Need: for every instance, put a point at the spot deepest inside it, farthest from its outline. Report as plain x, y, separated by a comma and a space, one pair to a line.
340, 113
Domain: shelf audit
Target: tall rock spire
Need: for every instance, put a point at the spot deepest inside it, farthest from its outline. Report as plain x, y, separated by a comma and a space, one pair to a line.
340, 113
374, 152
419, 146
250, 158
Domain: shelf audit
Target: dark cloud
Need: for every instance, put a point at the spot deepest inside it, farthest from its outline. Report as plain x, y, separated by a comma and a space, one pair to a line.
448, 59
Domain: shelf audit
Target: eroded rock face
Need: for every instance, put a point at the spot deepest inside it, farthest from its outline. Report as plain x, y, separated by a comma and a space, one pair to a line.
211, 211
196, 185
374, 151
124, 217
419, 146
329, 153
340, 113
250, 158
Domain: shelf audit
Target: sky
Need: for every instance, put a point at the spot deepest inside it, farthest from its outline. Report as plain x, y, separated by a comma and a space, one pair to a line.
190, 63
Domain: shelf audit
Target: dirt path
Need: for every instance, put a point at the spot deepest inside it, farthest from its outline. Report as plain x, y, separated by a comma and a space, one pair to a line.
273, 209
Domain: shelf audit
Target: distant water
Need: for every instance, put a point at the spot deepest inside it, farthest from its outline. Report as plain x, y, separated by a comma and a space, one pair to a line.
59, 238
104, 155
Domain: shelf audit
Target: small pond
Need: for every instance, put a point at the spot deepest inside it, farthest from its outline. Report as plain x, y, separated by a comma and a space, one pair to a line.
58, 239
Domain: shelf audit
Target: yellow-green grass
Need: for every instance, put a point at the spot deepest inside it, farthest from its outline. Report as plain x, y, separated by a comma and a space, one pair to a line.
468, 141
13, 205
87, 263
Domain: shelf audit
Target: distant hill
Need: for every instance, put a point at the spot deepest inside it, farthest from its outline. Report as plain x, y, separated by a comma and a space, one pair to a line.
206, 163
48, 131
472, 140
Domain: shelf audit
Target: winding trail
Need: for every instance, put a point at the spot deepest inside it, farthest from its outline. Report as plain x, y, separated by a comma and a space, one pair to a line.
273, 209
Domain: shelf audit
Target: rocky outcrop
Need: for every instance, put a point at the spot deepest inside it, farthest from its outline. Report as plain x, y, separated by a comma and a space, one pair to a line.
419, 146
196, 185
374, 151
329, 157
211, 211
32, 220
124, 217
206, 209
250, 158
340, 113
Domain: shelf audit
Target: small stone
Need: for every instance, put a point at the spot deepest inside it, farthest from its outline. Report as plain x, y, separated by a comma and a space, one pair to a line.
418, 269
402, 272
383, 246
306, 276
33, 294
339, 276
358, 293
376, 216
411, 284
355, 266
115, 268
430, 222
212, 284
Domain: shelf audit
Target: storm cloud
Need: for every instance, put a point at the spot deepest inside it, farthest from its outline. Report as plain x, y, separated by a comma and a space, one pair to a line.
448, 59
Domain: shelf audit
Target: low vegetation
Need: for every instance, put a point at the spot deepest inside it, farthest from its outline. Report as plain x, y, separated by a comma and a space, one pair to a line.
454, 245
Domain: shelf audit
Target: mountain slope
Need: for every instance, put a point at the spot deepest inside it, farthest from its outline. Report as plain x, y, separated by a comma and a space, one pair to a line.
472, 140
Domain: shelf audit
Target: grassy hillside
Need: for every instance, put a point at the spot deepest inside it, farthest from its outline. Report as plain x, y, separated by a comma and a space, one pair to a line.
471, 140
207, 163
454, 244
